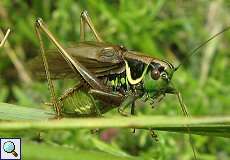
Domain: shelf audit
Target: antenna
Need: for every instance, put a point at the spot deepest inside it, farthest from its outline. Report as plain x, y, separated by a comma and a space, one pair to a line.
191, 53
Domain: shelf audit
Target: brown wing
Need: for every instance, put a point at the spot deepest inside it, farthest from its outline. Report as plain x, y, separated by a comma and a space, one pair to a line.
99, 58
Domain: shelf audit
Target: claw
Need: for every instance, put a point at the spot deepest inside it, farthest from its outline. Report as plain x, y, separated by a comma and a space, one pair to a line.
94, 131
122, 112
134, 130
51, 104
154, 135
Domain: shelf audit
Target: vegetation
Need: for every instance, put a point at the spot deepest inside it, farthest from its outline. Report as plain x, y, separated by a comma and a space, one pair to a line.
164, 29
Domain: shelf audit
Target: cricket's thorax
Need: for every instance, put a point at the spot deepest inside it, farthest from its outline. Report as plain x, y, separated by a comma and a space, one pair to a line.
120, 83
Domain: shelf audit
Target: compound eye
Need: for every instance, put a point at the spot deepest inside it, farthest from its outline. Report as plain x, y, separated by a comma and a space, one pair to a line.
161, 68
155, 74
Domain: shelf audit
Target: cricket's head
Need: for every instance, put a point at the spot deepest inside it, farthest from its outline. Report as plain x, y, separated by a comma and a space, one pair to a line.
158, 76
155, 74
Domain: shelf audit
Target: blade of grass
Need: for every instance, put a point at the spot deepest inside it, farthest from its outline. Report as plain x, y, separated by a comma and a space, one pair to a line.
201, 126
14, 112
48, 152
213, 126
214, 130
108, 148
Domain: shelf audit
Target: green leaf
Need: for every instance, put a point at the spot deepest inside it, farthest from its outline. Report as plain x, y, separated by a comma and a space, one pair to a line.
48, 152
108, 148
14, 112
22, 97
212, 126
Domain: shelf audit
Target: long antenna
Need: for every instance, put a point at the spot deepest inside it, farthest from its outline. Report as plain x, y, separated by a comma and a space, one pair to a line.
200, 46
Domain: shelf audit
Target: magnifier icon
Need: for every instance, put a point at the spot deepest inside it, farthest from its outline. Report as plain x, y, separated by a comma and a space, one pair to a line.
9, 147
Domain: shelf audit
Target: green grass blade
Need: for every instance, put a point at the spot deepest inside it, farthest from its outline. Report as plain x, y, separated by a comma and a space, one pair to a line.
213, 130
14, 112
108, 148
24, 118
48, 152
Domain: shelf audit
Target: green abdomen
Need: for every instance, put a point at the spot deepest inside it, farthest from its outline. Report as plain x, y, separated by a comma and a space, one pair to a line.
79, 103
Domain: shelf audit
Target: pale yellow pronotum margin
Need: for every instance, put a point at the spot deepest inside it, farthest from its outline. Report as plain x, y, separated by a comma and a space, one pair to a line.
128, 74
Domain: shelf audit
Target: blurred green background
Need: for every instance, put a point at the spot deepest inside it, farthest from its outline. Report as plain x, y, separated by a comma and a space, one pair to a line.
161, 28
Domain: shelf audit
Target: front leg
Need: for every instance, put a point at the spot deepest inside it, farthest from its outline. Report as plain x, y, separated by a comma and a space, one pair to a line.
132, 113
107, 97
115, 98
157, 99
130, 100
